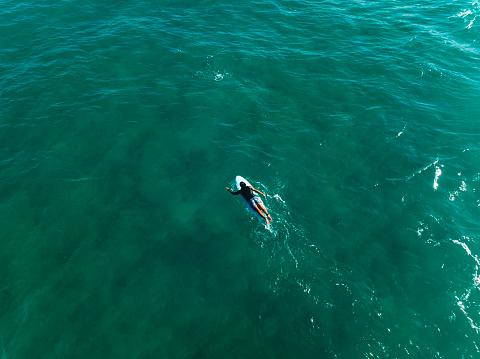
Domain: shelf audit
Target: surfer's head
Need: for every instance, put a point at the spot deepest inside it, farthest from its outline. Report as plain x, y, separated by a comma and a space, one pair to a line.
242, 184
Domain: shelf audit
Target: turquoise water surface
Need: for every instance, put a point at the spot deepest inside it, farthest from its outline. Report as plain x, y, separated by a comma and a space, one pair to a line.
122, 122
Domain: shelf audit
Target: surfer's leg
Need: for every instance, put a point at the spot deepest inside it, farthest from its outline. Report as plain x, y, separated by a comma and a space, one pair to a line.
260, 212
262, 207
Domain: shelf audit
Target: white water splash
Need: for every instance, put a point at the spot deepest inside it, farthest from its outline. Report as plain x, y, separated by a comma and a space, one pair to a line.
470, 15
462, 302
438, 173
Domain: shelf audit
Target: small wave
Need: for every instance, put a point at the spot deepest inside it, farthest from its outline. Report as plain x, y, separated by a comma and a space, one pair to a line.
81, 179
438, 173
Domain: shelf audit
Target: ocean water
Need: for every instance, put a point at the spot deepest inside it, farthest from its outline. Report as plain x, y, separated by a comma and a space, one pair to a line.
122, 122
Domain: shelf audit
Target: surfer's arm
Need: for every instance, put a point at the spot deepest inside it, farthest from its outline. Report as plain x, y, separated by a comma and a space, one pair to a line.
256, 190
234, 193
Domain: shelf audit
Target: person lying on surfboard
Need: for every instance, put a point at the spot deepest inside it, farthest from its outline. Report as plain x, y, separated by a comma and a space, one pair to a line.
253, 201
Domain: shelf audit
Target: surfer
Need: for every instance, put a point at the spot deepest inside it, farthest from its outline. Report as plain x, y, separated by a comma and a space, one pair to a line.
253, 201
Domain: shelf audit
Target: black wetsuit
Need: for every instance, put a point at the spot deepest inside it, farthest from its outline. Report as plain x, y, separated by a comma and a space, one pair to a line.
246, 192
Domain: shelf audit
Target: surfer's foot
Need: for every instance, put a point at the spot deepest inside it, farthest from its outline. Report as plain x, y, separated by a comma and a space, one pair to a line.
270, 218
